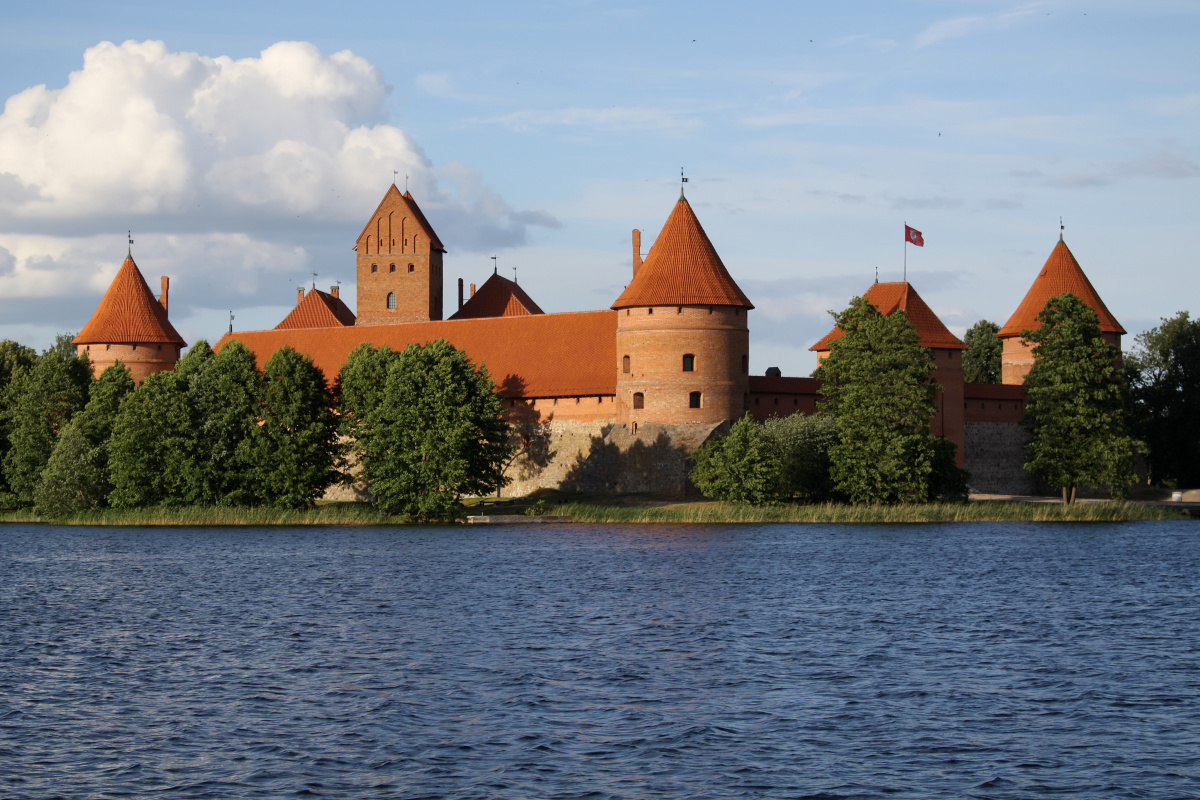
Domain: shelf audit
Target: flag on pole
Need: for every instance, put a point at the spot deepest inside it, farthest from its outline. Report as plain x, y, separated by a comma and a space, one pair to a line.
913, 236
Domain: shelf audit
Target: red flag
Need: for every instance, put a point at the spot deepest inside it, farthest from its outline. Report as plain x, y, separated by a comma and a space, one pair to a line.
913, 236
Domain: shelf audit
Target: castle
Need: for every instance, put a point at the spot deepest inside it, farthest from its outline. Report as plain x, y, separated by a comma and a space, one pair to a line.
613, 400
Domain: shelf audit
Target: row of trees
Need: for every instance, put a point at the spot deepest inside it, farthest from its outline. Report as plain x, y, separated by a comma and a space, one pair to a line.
424, 424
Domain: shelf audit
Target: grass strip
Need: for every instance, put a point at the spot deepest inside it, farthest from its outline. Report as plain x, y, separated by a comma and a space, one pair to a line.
357, 514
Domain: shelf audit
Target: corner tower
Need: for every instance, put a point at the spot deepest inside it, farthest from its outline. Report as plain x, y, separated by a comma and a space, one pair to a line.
1060, 274
683, 346
399, 264
131, 326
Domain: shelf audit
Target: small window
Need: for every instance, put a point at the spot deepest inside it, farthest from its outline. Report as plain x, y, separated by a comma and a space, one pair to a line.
680, 311
392, 268
649, 310
694, 400
776, 401
625, 365
639, 400
795, 401
745, 365
689, 364
160, 347
411, 267
135, 347
108, 347
374, 268
391, 300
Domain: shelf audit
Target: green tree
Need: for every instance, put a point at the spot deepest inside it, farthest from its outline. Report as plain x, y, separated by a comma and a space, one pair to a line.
981, 360
55, 389
360, 385
743, 467
152, 459
879, 387
224, 392
803, 442
16, 361
74, 479
435, 435
293, 453
1164, 379
1075, 405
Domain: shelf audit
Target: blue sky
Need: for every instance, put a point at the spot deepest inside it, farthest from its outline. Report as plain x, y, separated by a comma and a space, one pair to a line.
543, 133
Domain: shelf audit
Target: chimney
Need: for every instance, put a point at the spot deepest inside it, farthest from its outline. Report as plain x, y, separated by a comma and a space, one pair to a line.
166, 284
333, 290
299, 295
460, 296
637, 251
472, 290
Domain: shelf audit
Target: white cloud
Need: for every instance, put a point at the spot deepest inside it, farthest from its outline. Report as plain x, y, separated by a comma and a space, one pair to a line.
616, 118
962, 26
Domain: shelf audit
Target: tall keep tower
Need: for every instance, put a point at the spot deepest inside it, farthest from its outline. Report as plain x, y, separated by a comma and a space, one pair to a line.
683, 345
1061, 273
399, 264
131, 326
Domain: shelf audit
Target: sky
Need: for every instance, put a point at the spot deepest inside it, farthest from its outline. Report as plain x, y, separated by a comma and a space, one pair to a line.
245, 145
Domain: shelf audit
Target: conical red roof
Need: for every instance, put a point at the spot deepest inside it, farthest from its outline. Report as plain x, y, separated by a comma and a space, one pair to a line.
683, 268
129, 314
318, 310
887, 297
1061, 273
498, 297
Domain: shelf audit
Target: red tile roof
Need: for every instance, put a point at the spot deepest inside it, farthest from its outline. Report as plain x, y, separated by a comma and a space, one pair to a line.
682, 268
537, 355
129, 313
318, 310
392, 195
1061, 273
887, 297
498, 297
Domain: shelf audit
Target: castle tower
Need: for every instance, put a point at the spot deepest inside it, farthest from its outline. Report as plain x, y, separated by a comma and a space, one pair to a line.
683, 345
1061, 273
944, 348
131, 326
399, 264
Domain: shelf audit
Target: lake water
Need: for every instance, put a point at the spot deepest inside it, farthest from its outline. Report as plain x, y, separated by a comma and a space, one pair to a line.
802, 661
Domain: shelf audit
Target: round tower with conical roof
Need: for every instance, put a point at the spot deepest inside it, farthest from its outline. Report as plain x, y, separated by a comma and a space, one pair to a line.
1060, 274
683, 345
131, 326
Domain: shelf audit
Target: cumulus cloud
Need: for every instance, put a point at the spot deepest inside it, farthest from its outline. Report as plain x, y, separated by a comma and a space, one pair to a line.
221, 159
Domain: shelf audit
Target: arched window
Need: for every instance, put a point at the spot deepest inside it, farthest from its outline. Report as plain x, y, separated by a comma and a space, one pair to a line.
392, 268
639, 400
694, 400
411, 267
391, 300
689, 363
625, 365
374, 268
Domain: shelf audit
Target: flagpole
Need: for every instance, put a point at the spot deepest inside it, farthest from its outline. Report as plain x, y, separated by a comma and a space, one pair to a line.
906, 251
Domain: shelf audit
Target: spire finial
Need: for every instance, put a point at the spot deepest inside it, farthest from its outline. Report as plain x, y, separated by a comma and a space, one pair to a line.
682, 181
314, 279
1061, 228
231, 321
395, 172
406, 184
494, 265
514, 274
129, 247
877, 274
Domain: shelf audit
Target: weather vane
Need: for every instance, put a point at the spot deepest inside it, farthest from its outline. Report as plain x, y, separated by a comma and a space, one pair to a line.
514, 274
129, 249
682, 181
395, 172
231, 321
314, 279
1061, 228
494, 262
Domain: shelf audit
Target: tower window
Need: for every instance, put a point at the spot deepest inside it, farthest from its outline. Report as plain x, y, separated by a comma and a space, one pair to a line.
689, 363
392, 268
694, 400
391, 300
745, 365
639, 400
374, 268
649, 310
625, 365
411, 268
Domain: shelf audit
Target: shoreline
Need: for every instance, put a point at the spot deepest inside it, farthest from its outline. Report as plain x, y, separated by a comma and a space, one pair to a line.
625, 510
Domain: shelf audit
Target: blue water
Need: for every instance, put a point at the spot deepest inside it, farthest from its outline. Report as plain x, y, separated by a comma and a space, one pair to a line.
983, 660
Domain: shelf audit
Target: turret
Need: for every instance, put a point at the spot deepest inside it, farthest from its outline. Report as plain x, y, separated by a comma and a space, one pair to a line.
130, 325
682, 341
399, 264
1060, 274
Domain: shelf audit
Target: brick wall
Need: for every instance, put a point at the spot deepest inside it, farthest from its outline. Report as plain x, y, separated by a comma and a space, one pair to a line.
141, 359
995, 456
396, 257
656, 340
